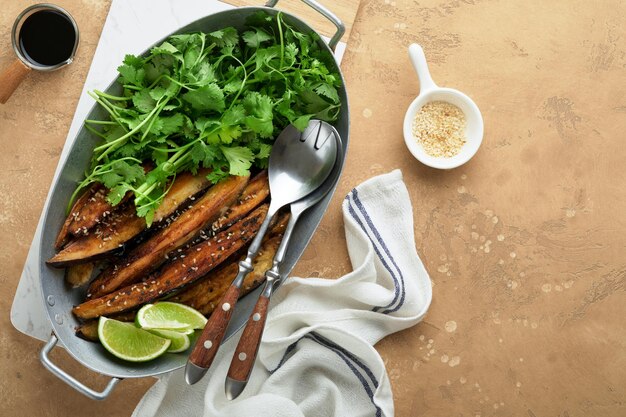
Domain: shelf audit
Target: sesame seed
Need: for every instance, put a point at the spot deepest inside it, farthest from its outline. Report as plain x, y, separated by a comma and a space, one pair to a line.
439, 128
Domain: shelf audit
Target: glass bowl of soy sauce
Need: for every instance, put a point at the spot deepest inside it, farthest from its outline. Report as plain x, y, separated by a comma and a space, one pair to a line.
45, 37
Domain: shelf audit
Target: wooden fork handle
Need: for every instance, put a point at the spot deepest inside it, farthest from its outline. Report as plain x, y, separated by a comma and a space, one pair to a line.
209, 341
245, 354
11, 77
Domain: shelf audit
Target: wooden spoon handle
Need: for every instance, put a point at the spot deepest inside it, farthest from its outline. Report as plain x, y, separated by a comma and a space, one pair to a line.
209, 341
245, 354
11, 77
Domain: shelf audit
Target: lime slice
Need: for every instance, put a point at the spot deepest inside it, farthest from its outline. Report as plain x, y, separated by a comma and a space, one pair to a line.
130, 343
170, 316
180, 341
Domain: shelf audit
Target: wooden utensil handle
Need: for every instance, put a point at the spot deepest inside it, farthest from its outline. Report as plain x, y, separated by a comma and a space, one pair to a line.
209, 341
11, 77
245, 355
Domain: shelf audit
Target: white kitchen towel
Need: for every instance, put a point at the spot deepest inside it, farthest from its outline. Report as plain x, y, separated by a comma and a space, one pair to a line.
317, 356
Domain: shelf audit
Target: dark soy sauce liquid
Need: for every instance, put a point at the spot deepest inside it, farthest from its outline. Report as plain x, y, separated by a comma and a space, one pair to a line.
47, 38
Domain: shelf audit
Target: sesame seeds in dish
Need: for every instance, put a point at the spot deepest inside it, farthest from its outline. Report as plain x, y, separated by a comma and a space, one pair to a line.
439, 127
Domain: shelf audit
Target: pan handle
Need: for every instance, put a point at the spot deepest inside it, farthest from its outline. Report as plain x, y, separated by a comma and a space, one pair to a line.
341, 28
70, 380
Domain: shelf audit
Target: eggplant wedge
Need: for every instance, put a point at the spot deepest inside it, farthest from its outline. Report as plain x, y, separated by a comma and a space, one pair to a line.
184, 187
112, 233
107, 239
79, 275
252, 196
190, 265
206, 293
89, 329
95, 210
64, 233
150, 254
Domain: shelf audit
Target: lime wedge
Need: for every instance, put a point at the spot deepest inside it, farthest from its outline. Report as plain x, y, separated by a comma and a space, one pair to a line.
130, 343
180, 341
170, 316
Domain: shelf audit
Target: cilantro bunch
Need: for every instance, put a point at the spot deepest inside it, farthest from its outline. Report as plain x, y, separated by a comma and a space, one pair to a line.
214, 100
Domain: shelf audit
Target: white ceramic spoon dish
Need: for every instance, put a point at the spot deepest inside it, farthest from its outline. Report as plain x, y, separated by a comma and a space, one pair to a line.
429, 92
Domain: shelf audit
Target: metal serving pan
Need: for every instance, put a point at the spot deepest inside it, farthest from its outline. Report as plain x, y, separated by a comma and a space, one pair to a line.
59, 298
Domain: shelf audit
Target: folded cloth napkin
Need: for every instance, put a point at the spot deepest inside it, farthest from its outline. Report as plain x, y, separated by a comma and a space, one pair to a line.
317, 356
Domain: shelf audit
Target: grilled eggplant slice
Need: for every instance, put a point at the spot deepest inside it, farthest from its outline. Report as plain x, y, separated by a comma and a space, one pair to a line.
184, 187
112, 233
150, 254
79, 275
95, 209
89, 329
252, 196
192, 264
206, 293
107, 239
64, 233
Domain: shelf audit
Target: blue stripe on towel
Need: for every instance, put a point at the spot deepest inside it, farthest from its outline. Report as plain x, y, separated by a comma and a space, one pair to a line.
370, 393
350, 355
393, 276
399, 289
359, 204
346, 356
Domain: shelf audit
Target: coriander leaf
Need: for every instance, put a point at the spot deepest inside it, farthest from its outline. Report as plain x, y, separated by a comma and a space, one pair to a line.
239, 159
255, 38
203, 74
157, 93
233, 86
225, 134
204, 154
259, 108
172, 124
224, 37
122, 171
117, 193
216, 175
302, 122
206, 98
234, 115
155, 125
165, 48
190, 57
131, 75
265, 128
291, 52
224, 130
129, 149
133, 61
264, 151
143, 101
147, 212
159, 156
329, 91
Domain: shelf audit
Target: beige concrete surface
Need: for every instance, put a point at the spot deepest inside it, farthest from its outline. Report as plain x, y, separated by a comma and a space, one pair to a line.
525, 244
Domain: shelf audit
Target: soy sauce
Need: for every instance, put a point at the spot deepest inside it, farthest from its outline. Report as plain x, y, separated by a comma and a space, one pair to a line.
47, 38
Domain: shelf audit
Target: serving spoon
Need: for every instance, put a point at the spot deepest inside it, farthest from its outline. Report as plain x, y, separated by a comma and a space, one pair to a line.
246, 352
298, 165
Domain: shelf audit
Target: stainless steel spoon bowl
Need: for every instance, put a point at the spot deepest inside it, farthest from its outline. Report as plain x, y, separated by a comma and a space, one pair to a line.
298, 165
